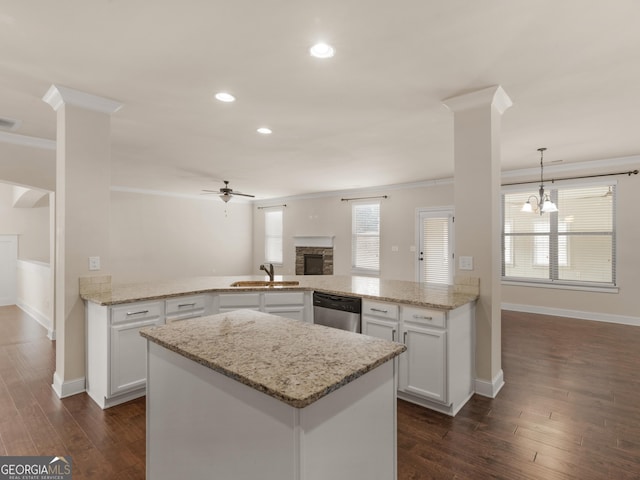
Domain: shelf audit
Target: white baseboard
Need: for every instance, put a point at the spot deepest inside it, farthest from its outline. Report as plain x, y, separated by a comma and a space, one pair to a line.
490, 389
39, 317
582, 315
66, 389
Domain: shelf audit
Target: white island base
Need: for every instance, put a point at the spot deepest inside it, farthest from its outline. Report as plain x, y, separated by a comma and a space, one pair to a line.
204, 425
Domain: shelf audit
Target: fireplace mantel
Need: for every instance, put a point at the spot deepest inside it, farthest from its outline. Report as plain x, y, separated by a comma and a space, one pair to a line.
321, 241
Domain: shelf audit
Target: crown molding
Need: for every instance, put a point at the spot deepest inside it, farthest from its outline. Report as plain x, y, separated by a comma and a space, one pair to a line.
58, 95
143, 191
494, 96
26, 141
619, 162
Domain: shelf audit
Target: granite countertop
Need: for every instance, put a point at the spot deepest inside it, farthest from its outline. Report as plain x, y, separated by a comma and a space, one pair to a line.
295, 362
397, 291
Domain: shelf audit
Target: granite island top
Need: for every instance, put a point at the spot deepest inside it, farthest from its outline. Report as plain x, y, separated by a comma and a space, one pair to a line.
295, 362
398, 291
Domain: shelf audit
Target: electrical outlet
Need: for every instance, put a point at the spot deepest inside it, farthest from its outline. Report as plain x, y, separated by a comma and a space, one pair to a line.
465, 263
94, 263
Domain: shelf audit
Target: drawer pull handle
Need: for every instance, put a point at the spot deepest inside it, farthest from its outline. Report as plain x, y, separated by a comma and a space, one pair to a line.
137, 313
187, 305
393, 335
422, 317
379, 310
405, 338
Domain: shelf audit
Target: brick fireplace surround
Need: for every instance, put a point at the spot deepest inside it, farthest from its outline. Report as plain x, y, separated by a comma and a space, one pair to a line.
327, 258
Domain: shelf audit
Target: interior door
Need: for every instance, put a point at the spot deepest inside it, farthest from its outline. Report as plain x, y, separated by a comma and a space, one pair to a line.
435, 259
8, 269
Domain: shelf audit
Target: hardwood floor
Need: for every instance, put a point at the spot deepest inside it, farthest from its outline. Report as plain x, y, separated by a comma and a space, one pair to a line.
105, 445
569, 410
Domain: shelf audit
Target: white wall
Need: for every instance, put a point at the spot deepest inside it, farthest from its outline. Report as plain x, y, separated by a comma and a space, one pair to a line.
156, 237
34, 292
328, 215
31, 225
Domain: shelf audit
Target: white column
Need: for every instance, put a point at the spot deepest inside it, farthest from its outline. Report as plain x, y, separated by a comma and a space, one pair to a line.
83, 181
477, 118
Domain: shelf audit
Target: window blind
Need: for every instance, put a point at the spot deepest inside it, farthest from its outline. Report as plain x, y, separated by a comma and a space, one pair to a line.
273, 223
365, 246
575, 246
436, 256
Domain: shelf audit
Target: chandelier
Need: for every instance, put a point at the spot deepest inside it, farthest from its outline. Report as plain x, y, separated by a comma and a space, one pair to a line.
542, 204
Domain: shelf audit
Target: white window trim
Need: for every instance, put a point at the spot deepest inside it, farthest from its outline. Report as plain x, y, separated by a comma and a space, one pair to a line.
560, 284
273, 209
366, 271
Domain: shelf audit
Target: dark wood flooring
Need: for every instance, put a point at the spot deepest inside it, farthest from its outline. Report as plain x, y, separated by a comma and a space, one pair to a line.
570, 409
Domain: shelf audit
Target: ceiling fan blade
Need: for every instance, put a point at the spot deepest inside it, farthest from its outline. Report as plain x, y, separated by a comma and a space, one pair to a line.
242, 194
209, 191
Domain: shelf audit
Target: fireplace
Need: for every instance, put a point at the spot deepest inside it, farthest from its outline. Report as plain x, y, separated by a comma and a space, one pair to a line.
313, 264
314, 255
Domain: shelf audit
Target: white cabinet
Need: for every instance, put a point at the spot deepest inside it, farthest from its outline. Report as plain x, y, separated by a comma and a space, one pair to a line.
291, 304
380, 320
128, 357
228, 302
116, 353
189, 306
437, 369
285, 304
423, 366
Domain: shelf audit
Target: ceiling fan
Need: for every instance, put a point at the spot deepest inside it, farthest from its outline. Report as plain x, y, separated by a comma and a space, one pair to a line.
226, 193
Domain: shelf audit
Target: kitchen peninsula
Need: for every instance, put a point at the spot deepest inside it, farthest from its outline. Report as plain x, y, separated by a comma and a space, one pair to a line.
435, 322
245, 394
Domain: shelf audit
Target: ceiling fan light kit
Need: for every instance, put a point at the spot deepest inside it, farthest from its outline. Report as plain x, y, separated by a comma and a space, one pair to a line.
226, 193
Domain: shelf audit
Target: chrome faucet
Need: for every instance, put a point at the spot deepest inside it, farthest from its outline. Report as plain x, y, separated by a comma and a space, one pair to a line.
268, 271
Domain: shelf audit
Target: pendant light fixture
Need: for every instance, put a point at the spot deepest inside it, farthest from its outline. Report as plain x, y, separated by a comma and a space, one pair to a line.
543, 204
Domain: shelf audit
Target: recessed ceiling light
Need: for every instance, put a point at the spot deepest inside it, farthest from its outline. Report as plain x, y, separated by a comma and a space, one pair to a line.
322, 50
264, 131
225, 97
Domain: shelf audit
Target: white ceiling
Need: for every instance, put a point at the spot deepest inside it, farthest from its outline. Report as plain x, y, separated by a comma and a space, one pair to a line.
372, 115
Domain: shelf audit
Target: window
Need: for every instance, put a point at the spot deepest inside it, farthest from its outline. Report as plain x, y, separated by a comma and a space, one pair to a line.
273, 235
365, 246
575, 246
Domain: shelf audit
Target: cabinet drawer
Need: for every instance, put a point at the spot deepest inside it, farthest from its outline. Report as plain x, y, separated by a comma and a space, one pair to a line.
135, 312
185, 304
379, 309
424, 316
284, 298
240, 300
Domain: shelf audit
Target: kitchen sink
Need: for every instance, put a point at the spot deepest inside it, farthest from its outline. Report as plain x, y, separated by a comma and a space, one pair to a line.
264, 283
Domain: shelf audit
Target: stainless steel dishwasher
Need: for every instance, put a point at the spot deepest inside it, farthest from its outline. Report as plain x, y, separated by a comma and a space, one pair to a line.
337, 311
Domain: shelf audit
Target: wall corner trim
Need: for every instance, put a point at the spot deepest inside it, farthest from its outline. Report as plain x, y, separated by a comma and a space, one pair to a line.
69, 388
490, 388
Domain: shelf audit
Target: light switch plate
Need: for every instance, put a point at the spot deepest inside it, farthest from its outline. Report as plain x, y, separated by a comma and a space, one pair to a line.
465, 263
94, 263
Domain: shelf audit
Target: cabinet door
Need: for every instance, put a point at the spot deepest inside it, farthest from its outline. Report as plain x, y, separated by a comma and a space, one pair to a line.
423, 365
294, 312
379, 328
128, 356
183, 308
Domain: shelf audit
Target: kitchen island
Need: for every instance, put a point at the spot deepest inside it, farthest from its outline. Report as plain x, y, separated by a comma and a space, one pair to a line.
250, 395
